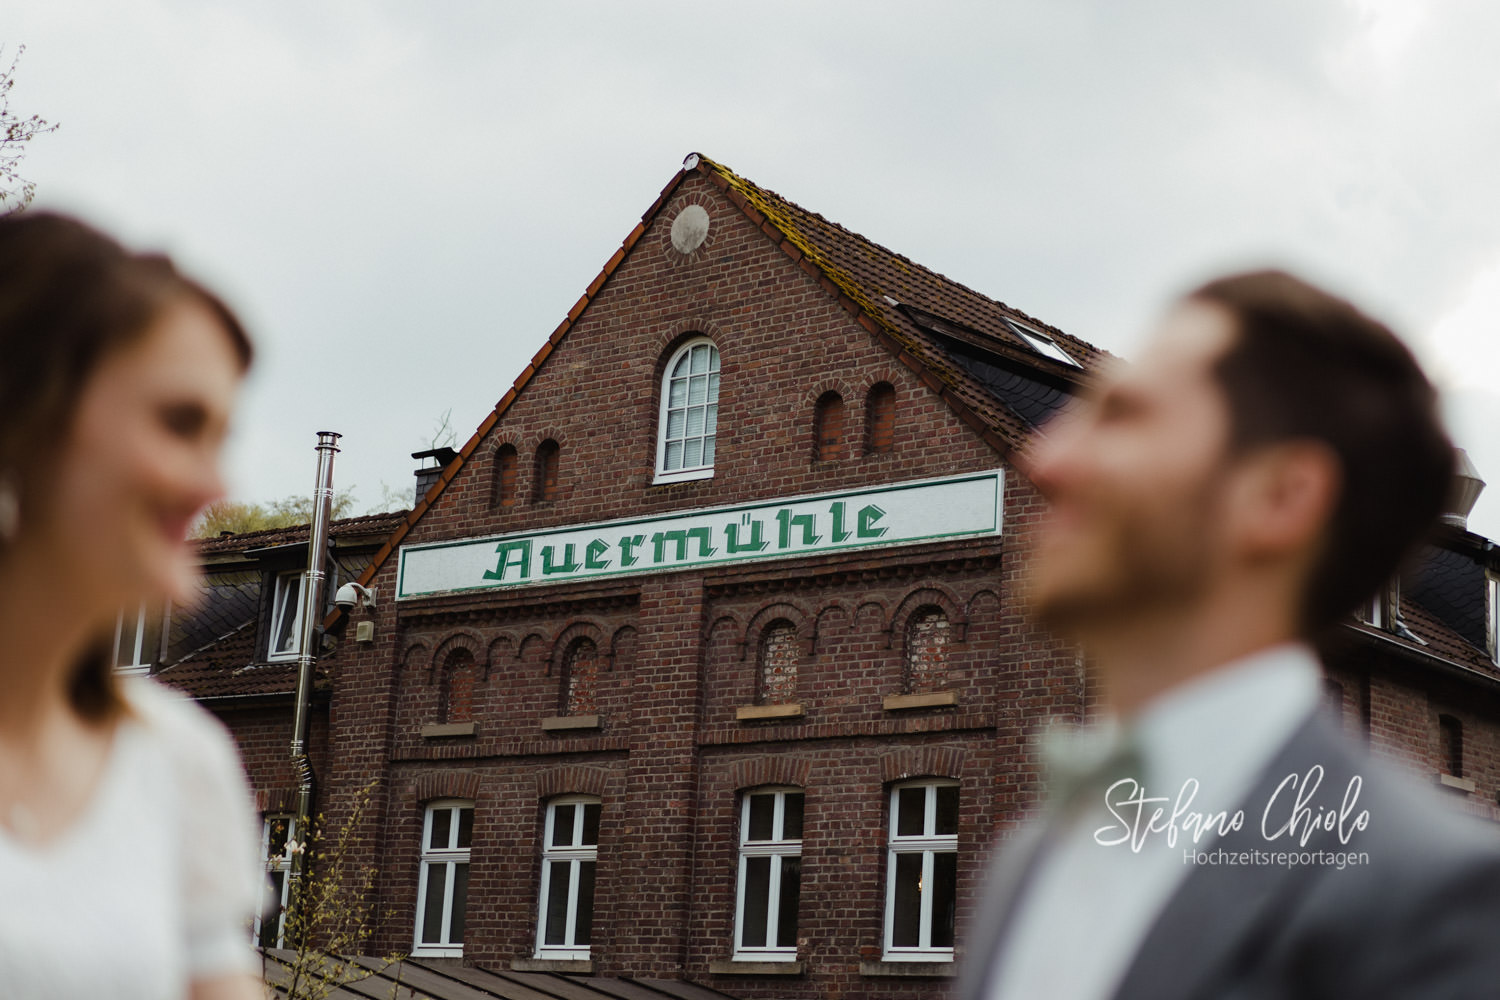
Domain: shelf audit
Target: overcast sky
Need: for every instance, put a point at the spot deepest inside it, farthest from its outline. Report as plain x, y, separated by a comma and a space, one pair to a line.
405, 199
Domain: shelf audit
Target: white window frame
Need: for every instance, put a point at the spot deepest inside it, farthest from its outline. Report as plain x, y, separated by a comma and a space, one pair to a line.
928, 845
577, 854
279, 585
1041, 343
282, 863
702, 470
777, 848
1493, 608
138, 662
443, 861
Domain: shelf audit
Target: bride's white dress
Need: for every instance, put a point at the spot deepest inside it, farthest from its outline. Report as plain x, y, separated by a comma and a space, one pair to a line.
155, 883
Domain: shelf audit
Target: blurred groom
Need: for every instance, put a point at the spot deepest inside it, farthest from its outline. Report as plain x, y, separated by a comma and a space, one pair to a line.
1263, 469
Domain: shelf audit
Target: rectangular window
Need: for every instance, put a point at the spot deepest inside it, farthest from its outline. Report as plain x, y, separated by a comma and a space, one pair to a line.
570, 858
770, 885
443, 886
286, 616
922, 872
270, 928
137, 640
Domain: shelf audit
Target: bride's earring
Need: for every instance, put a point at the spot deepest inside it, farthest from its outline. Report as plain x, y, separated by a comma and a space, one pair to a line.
10, 509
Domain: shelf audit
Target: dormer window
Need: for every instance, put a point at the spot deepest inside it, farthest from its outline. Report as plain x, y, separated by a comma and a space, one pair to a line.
1040, 342
687, 428
286, 616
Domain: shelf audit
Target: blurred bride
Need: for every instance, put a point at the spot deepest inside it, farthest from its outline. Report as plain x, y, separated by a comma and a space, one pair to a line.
128, 854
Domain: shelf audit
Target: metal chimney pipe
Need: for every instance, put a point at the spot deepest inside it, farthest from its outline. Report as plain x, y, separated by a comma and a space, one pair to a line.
307, 652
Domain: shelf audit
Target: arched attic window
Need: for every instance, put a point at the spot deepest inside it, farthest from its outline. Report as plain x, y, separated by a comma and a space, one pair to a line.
828, 427
545, 482
880, 418
687, 425
507, 470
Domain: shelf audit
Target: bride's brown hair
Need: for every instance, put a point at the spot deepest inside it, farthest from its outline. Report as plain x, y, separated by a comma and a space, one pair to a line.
69, 298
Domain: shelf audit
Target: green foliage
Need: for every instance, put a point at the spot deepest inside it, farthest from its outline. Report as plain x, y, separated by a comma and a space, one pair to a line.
15, 132
329, 918
238, 516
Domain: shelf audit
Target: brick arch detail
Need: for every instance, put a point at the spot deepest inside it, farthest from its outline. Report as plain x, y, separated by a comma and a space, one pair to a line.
922, 762
676, 333
872, 604
625, 633
571, 779
792, 611
869, 382
526, 643
929, 592
461, 639
778, 769
981, 601
579, 628
822, 388
445, 785
830, 612
415, 657
731, 624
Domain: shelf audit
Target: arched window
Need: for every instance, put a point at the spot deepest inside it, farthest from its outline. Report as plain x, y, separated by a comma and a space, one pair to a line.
778, 664
689, 419
580, 678
828, 427
545, 481
927, 636
506, 470
458, 686
880, 418
1451, 746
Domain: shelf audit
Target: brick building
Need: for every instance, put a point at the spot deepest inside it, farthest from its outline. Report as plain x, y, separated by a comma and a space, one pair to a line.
703, 659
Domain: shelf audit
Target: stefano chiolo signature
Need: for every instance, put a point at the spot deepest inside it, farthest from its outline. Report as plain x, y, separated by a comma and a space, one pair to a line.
1290, 812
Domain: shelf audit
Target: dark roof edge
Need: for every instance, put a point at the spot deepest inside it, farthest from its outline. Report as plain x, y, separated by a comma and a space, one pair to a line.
1451, 668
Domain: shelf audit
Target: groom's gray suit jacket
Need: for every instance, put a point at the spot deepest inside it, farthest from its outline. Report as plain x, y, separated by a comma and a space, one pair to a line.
1420, 920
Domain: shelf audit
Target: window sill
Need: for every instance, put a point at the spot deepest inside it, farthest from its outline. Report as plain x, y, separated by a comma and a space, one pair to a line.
444, 730
744, 968
584, 965
945, 968
1465, 785
557, 723
438, 952
932, 699
663, 478
746, 713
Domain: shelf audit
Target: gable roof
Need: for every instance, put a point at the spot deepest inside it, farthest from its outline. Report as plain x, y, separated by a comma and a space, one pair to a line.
933, 325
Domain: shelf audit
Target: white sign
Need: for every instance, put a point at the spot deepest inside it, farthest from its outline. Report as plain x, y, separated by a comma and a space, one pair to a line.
923, 511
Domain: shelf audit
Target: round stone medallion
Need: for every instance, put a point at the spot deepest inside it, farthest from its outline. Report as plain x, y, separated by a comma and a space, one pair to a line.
689, 229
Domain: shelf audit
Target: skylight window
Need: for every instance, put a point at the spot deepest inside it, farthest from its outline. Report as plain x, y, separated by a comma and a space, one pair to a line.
1041, 343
